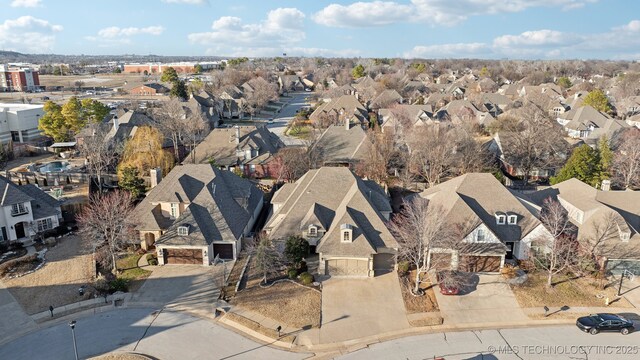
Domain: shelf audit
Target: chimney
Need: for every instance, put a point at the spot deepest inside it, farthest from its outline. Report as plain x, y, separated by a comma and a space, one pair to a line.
347, 124
606, 185
237, 135
156, 176
116, 124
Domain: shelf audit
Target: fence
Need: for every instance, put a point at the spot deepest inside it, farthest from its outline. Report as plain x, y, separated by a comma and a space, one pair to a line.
56, 179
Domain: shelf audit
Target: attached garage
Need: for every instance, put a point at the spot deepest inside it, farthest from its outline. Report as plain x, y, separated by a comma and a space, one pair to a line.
440, 261
347, 267
383, 263
476, 263
182, 256
223, 251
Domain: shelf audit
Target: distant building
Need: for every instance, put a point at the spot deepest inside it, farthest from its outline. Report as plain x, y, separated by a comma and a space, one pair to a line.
19, 122
18, 78
181, 67
149, 89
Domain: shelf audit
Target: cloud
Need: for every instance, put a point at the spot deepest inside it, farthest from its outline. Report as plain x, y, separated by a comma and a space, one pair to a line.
362, 14
440, 12
619, 43
459, 50
114, 35
189, 2
26, 3
282, 27
28, 33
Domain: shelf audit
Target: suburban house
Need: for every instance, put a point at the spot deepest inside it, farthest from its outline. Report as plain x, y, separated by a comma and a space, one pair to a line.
343, 145
396, 118
343, 219
19, 122
197, 213
336, 110
607, 219
491, 226
231, 98
26, 211
386, 99
248, 148
207, 105
125, 124
289, 83
589, 124
149, 89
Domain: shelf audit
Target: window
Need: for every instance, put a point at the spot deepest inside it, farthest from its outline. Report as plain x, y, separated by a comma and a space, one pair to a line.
513, 219
174, 210
313, 231
624, 236
44, 224
18, 209
183, 230
480, 235
500, 219
346, 232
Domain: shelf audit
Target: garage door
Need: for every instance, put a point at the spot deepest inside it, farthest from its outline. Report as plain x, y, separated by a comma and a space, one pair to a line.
223, 251
183, 256
480, 263
383, 263
440, 261
347, 267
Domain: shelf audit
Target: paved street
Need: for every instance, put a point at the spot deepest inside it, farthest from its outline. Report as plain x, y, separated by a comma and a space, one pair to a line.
281, 119
167, 335
560, 342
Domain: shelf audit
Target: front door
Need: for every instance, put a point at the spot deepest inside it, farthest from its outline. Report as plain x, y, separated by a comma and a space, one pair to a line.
509, 254
19, 230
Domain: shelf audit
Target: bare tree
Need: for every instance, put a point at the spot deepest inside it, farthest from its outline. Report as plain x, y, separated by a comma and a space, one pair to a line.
419, 228
107, 224
267, 258
377, 160
195, 127
292, 163
626, 161
431, 153
532, 142
595, 242
169, 119
555, 253
101, 151
262, 93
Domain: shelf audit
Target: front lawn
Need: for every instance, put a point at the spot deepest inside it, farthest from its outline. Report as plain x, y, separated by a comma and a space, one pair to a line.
582, 291
128, 270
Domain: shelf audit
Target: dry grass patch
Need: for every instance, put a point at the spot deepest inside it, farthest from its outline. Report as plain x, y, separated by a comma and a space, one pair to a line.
571, 292
292, 304
248, 323
57, 282
417, 304
121, 356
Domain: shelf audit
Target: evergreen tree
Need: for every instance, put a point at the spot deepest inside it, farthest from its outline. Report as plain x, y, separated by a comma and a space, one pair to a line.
179, 90
597, 100
582, 165
605, 158
358, 71
131, 181
169, 75
564, 82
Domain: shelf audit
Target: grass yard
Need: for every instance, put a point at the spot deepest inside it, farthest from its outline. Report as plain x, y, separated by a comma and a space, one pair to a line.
67, 268
576, 292
292, 304
417, 304
129, 270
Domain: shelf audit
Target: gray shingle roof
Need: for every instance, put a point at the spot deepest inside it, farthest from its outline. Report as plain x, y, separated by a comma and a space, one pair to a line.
219, 204
12, 193
333, 195
339, 145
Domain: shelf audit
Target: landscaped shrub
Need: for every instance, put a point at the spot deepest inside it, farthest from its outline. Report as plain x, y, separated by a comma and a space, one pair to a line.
295, 249
509, 271
102, 285
302, 267
292, 273
152, 259
403, 267
23, 262
119, 285
306, 278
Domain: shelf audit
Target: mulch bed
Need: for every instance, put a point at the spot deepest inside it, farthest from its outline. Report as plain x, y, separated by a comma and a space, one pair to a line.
417, 304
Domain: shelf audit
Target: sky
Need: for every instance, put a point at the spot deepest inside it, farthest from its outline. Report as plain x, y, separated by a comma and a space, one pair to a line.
486, 29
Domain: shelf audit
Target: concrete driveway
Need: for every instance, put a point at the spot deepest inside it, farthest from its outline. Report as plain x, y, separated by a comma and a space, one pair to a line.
356, 308
13, 319
184, 287
491, 300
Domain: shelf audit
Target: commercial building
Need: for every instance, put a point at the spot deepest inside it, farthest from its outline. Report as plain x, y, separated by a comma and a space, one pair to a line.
18, 78
181, 67
19, 122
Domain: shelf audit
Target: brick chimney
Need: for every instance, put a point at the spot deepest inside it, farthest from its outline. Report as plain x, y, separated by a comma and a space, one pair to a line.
116, 123
156, 176
606, 185
347, 123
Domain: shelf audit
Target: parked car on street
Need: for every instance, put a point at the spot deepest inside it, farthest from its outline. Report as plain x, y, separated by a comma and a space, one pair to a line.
596, 323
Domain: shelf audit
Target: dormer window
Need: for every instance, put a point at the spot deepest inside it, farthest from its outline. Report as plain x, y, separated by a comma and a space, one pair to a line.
512, 219
500, 218
480, 235
346, 233
624, 236
312, 231
183, 230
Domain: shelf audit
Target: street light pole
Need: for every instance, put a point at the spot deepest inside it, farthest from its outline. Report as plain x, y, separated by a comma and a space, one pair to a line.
72, 324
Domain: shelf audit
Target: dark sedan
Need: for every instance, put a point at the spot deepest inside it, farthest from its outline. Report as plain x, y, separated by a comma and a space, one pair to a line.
596, 323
